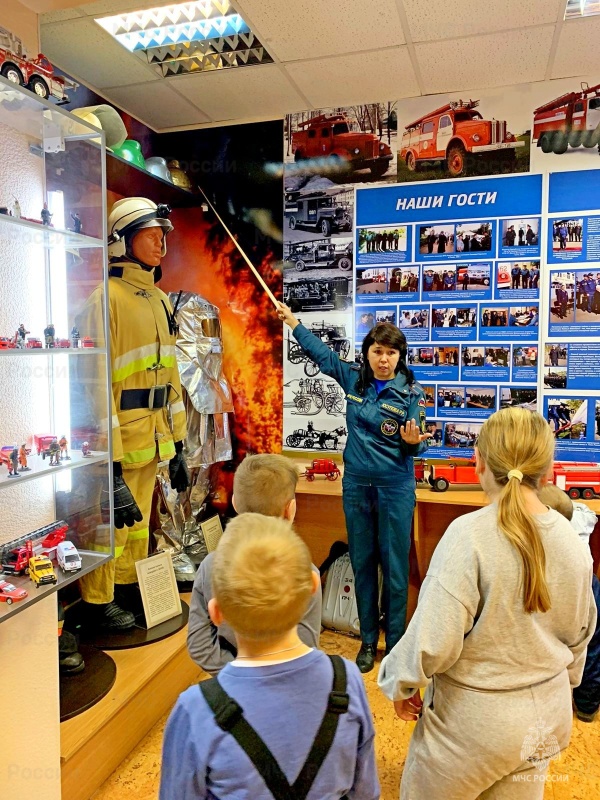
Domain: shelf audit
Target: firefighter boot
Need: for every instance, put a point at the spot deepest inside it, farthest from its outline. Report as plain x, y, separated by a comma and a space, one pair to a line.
70, 662
107, 617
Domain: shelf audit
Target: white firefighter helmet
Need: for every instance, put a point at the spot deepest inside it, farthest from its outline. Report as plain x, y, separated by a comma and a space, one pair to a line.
132, 214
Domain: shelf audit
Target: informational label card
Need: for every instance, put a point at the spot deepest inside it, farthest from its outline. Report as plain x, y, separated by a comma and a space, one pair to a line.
212, 530
158, 588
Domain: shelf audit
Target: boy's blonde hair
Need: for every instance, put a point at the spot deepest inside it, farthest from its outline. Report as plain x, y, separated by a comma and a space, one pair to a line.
517, 439
552, 496
261, 576
264, 484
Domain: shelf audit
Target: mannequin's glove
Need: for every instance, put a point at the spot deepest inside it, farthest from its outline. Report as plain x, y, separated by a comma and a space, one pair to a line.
178, 470
127, 511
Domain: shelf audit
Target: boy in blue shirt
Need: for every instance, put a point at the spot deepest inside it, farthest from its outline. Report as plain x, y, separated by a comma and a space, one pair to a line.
263, 581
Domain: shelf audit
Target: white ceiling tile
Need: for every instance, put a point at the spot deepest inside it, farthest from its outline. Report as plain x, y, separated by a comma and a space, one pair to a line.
363, 78
156, 104
313, 28
444, 19
243, 92
578, 48
101, 8
498, 59
84, 49
60, 15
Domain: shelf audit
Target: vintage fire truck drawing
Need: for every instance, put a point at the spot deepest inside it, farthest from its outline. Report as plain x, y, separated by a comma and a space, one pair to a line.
319, 254
318, 295
312, 395
317, 210
35, 74
571, 119
331, 135
454, 135
334, 337
311, 439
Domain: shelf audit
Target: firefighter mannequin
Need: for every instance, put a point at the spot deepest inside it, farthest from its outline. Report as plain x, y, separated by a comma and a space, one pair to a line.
148, 415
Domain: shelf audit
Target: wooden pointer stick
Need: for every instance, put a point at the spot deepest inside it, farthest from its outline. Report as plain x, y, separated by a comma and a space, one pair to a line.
244, 256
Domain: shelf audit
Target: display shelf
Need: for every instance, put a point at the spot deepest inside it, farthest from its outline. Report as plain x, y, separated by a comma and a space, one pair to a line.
125, 178
33, 116
45, 235
40, 468
89, 562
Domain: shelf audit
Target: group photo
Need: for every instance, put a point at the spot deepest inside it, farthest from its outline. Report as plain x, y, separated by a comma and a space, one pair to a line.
567, 234
567, 417
436, 239
520, 232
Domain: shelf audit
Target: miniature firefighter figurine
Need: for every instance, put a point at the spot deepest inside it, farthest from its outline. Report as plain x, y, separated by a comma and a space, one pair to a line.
13, 465
64, 448
16, 209
21, 334
54, 453
75, 337
77, 224
46, 215
148, 414
49, 334
23, 453
86, 450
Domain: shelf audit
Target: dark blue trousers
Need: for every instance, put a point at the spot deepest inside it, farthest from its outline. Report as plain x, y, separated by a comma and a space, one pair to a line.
378, 521
587, 695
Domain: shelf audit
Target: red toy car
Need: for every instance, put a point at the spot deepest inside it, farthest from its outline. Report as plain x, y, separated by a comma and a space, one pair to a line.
9, 593
15, 562
578, 479
322, 466
442, 476
6, 343
42, 442
62, 343
33, 343
36, 74
87, 341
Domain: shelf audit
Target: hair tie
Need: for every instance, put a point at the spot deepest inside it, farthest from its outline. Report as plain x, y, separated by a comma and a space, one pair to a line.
515, 473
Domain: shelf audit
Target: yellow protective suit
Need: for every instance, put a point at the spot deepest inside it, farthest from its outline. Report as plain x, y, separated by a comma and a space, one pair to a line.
142, 356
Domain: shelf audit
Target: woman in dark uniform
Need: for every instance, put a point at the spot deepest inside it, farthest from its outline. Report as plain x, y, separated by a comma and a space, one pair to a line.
385, 413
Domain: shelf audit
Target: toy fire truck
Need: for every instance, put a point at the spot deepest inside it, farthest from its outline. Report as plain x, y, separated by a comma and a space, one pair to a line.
571, 119
35, 74
329, 135
442, 476
453, 135
322, 466
578, 479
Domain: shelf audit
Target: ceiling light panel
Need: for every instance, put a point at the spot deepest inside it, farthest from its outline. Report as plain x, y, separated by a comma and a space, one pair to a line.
582, 8
188, 37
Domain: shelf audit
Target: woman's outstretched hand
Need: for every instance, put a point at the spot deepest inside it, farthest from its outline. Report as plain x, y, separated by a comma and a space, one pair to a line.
411, 433
285, 314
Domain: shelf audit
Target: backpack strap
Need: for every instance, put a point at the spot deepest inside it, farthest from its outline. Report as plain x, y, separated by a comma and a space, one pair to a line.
229, 716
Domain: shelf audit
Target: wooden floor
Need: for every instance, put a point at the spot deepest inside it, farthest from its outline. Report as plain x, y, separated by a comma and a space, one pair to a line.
576, 775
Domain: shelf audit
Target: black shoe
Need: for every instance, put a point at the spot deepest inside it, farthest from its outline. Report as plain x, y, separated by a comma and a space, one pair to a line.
584, 716
70, 662
365, 660
108, 617
129, 598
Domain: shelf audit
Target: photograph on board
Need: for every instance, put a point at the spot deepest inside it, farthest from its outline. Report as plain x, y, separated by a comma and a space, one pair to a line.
567, 234
567, 417
515, 396
403, 280
372, 280
461, 434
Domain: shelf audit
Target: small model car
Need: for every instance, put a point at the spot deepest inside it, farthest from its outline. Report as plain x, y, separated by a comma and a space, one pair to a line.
42, 442
62, 343
67, 557
33, 342
442, 476
323, 466
6, 343
41, 571
16, 561
9, 593
87, 341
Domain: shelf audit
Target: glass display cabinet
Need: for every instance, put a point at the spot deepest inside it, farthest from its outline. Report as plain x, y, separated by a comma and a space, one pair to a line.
55, 411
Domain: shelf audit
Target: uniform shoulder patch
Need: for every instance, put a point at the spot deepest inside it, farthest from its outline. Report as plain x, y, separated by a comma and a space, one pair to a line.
355, 398
389, 427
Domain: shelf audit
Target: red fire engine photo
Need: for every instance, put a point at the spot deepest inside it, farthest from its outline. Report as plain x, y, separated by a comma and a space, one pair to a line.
460, 141
571, 120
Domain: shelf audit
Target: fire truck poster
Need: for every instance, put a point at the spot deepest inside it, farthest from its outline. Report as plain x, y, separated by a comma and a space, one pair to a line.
384, 245
470, 281
313, 404
566, 125
356, 144
520, 238
452, 136
480, 348
575, 422
571, 365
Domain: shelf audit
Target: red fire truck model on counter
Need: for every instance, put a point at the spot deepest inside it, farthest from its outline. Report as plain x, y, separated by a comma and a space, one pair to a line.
454, 134
571, 119
330, 135
578, 479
